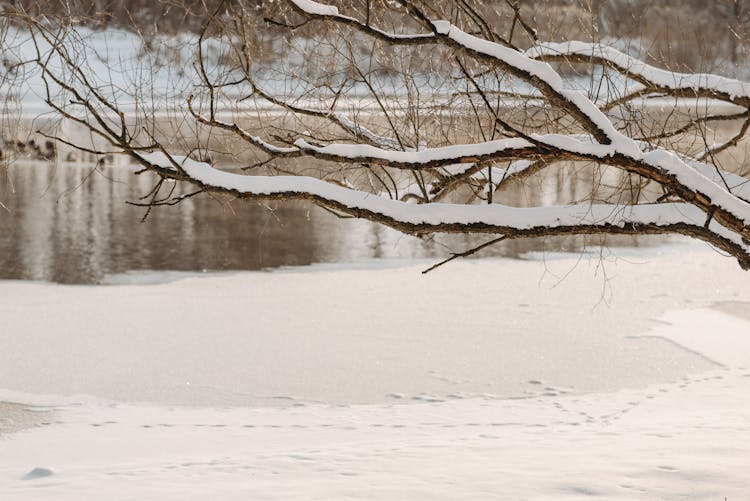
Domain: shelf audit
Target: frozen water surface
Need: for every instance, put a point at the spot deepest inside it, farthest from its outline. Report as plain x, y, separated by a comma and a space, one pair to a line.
375, 382
358, 335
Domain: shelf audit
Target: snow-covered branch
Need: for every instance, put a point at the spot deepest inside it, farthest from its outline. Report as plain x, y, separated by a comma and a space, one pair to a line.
514, 222
652, 79
487, 136
538, 74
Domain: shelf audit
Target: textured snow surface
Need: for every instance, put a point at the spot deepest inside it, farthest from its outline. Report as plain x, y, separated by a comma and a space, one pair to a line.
491, 379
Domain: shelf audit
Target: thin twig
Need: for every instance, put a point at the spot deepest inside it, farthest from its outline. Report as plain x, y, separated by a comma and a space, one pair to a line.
469, 252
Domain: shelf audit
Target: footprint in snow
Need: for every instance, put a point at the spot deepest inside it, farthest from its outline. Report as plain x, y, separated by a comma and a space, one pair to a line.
38, 472
666, 468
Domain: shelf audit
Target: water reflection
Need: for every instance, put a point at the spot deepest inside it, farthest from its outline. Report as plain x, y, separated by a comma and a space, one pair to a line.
70, 224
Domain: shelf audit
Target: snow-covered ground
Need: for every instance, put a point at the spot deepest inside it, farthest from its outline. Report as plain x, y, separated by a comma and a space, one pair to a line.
559, 377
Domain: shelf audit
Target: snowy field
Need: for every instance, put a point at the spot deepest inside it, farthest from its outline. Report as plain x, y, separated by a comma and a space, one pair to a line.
557, 377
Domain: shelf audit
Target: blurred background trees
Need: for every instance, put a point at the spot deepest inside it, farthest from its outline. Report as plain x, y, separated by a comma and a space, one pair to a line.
686, 35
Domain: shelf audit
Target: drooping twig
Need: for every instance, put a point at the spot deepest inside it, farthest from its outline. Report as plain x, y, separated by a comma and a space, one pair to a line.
465, 253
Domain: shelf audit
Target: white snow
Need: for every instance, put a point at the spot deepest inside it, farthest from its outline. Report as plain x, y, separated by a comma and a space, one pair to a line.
619, 143
442, 27
513, 58
316, 8
119, 46
497, 215
569, 378
389, 384
455, 151
636, 68
698, 181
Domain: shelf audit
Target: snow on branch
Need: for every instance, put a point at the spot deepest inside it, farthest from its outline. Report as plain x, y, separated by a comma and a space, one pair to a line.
609, 144
323, 11
655, 163
694, 197
652, 78
513, 222
496, 218
536, 73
